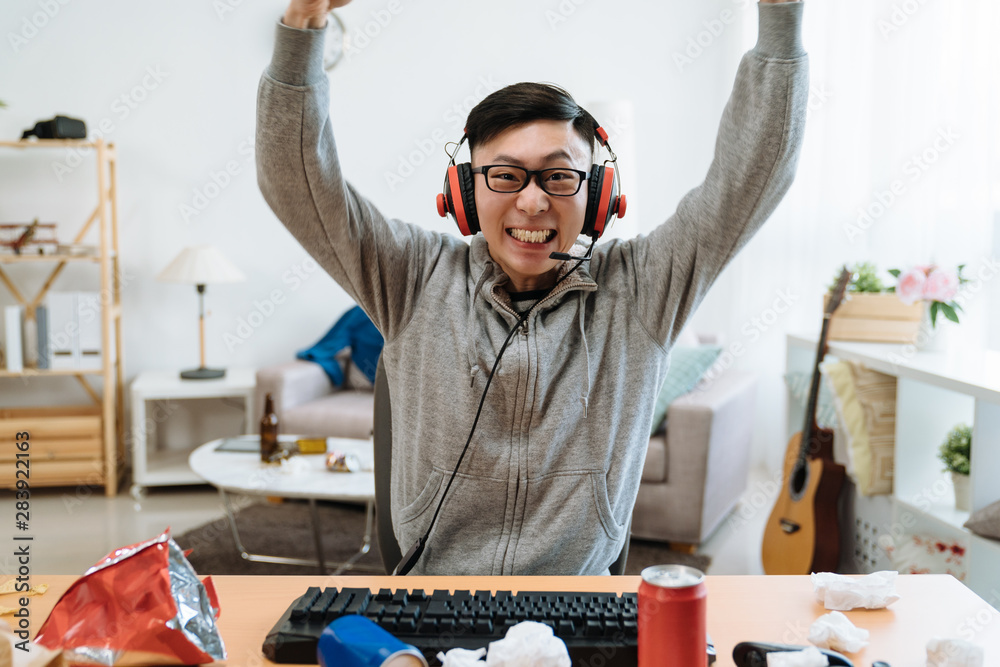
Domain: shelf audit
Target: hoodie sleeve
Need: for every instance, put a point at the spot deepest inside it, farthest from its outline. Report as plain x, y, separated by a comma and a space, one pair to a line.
668, 272
379, 262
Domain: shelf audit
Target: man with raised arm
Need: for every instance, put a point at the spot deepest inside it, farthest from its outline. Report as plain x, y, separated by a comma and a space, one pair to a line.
549, 476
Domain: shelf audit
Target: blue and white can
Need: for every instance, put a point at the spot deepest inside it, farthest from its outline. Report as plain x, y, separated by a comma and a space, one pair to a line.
355, 641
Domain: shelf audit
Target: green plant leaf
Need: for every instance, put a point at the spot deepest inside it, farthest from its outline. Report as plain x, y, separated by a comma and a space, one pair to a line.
948, 311
935, 306
956, 451
895, 272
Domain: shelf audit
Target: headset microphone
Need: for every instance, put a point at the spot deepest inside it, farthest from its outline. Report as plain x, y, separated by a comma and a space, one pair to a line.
565, 256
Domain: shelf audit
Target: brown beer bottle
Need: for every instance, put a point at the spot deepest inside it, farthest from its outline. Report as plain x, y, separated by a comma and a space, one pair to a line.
268, 431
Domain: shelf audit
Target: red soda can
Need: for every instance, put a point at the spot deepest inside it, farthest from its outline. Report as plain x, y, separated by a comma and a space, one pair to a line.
672, 625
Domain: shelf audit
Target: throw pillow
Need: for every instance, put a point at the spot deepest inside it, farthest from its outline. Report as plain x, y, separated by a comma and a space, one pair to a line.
687, 366
986, 521
876, 394
851, 418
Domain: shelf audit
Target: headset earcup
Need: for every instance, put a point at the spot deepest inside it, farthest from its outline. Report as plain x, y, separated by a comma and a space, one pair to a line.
593, 200
459, 180
466, 180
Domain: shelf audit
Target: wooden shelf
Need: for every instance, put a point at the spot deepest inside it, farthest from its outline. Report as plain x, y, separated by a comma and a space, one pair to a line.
54, 143
88, 450
39, 372
15, 259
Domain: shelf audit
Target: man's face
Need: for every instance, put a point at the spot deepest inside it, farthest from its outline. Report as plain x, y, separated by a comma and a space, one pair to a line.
507, 218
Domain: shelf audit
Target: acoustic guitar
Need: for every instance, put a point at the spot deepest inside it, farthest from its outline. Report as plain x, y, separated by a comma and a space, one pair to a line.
802, 534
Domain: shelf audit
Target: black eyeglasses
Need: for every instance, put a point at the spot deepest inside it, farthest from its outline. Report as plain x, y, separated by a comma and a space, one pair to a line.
508, 179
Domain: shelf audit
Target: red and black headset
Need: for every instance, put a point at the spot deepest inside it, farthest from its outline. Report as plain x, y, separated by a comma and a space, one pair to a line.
603, 200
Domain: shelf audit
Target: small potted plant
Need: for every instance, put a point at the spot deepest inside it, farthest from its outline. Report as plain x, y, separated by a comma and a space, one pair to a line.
956, 454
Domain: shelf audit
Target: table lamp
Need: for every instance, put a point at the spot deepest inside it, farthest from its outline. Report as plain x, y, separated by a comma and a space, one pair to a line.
201, 265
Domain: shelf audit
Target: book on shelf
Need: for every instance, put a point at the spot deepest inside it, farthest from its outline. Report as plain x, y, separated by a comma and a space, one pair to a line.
73, 323
12, 338
42, 327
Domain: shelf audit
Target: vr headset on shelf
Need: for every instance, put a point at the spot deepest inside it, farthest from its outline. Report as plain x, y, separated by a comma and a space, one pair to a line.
60, 127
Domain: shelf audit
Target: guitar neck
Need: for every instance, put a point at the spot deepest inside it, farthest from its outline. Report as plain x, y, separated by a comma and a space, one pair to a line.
809, 427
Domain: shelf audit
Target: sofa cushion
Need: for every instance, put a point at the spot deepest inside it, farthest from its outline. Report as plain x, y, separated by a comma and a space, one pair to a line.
342, 414
655, 468
687, 366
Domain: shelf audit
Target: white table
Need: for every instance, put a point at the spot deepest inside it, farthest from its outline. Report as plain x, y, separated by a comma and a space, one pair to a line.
171, 468
302, 476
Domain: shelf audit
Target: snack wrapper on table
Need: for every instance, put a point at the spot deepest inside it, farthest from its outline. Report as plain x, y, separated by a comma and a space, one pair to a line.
140, 605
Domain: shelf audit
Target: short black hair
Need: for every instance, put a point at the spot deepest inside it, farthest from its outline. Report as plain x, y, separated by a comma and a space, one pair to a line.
522, 103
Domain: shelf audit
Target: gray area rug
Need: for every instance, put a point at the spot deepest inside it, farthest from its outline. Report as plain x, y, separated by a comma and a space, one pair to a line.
285, 529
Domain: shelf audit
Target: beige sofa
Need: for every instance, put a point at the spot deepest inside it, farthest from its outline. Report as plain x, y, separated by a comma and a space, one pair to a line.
695, 470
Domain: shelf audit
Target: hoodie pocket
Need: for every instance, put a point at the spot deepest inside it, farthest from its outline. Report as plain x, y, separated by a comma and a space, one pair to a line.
603, 503
424, 499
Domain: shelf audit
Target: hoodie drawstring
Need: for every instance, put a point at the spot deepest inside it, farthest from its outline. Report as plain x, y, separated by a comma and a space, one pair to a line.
585, 398
472, 330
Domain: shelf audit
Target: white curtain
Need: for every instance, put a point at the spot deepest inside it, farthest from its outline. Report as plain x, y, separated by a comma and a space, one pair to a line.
900, 166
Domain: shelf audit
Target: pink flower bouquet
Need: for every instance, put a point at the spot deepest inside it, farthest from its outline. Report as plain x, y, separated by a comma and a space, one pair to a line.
935, 285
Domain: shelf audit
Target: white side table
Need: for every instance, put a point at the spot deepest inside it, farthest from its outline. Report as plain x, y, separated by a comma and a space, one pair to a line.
168, 469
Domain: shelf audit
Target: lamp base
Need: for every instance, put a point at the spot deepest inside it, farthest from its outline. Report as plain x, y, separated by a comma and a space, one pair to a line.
203, 373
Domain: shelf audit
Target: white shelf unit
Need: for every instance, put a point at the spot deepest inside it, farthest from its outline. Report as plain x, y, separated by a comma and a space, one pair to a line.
934, 392
170, 468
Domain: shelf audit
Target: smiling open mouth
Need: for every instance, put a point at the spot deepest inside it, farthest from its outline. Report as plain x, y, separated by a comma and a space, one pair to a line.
532, 236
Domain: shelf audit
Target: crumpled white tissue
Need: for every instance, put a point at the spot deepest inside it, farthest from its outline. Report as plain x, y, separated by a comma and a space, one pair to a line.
872, 591
808, 657
953, 653
528, 644
462, 657
835, 631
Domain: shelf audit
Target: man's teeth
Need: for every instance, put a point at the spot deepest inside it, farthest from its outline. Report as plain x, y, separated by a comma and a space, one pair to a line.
529, 236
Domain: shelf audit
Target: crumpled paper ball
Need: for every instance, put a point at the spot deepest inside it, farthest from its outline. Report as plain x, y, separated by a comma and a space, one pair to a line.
461, 657
527, 644
953, 653
809, 657
842, 593
835, 631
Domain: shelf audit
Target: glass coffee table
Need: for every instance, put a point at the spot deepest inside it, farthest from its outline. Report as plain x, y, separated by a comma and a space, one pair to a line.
233, 466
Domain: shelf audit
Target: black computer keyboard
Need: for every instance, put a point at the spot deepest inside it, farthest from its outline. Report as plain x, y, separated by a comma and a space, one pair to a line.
591, 624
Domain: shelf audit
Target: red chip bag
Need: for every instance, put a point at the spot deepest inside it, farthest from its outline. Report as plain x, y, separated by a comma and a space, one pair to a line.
140, 605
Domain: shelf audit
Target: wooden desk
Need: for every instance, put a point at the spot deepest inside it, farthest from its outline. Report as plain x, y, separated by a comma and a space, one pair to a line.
776, 609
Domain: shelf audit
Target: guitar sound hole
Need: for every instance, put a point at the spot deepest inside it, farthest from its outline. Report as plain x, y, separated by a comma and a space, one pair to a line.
798, 484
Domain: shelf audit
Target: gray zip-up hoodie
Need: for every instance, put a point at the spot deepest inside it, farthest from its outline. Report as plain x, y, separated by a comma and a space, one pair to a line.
552, 473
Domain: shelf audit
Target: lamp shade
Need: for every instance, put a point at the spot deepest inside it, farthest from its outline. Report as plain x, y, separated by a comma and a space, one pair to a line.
201, 265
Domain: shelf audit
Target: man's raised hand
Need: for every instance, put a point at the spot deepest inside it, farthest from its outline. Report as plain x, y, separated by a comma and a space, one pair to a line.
310, 13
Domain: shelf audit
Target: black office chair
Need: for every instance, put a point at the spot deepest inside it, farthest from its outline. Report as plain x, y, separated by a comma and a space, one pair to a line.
387, 544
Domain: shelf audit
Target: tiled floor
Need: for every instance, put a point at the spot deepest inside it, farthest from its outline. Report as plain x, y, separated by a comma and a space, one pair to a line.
73, 530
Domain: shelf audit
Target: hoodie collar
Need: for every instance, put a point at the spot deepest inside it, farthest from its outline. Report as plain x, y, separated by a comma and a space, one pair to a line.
492, 280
